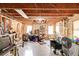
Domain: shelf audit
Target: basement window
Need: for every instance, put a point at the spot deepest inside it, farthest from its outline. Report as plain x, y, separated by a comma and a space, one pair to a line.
50, 30
76, 28
29, 28
58, 28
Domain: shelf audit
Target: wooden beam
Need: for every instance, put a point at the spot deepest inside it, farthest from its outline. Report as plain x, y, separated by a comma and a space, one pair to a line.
50, 8
32, 5
49, 14
43, 14
42, 8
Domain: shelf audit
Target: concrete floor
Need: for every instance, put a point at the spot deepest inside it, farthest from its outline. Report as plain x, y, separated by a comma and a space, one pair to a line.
43, 49
35, 49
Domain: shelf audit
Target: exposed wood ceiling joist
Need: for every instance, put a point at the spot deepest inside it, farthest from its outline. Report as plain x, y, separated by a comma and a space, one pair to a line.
41, 9
40, 5
43, 14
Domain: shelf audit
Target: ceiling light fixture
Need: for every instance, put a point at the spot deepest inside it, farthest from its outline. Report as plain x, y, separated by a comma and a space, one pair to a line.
20, 11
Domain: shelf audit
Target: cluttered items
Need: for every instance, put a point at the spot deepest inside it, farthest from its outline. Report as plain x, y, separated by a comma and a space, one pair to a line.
6, 45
